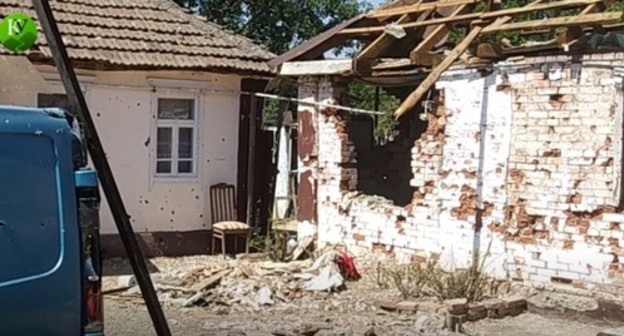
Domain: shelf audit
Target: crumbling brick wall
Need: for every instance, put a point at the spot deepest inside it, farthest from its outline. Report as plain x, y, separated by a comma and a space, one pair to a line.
523, 161
564, 179
442, 217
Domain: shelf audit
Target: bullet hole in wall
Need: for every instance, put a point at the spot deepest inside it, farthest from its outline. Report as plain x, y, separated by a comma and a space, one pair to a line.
201, 215
171, 220
173, 212
139, 104
97, 114
222, 139
196, 196
162, 209
147, 142
146, 201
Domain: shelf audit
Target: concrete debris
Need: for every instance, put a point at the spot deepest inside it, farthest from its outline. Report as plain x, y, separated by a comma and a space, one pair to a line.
561, 302
428, 323
246, 285
612, 332
126, 281
264, 297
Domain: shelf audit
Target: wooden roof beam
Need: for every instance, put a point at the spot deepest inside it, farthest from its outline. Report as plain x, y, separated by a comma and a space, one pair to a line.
436, 35
364, 60
467, 18
566, 21
539, 7
422, 89
422, 7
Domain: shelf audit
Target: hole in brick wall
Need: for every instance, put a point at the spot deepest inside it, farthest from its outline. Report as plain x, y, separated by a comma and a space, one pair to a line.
553, 153
556, 99
560, 280
386, 169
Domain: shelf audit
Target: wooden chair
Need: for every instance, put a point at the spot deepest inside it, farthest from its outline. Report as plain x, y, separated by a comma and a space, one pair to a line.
223, 213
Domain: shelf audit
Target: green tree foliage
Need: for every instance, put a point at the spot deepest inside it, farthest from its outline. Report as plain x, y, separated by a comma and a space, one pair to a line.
515, 38
281, 25
363, 97
277, 24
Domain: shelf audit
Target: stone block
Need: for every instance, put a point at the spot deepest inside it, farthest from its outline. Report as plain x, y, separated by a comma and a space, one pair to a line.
476, 312
454, 322
514, 302
388, 305
407, 306
456, 306
493, 306
510, 311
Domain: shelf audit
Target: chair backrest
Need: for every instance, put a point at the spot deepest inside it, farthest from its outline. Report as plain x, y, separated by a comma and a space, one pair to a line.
223, 203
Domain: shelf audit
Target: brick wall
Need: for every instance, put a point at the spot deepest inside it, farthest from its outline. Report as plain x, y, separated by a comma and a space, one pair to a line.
564, 177
523, 162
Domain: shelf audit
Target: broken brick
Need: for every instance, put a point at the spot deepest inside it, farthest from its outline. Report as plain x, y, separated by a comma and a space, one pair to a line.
407, 306
456, 306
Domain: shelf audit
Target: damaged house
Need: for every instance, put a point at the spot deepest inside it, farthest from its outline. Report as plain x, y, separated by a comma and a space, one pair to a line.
165, 89
513, 151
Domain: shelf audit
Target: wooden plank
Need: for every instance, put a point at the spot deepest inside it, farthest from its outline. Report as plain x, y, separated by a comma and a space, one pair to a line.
415, 96
378, 29
317, 45
212, 280
438, 33
325, 67
555, 22
418, 8
251, 162
489, 51
540, 7
575, 44
570, 34
479, 16
426, 59
362, 62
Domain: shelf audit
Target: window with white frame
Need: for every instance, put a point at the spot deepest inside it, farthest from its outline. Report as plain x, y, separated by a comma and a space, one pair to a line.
176, 127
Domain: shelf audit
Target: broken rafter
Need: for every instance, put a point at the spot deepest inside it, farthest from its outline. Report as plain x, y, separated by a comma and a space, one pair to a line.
430, 41
384, 13
363, 62
467, 18
415, 96
556, 22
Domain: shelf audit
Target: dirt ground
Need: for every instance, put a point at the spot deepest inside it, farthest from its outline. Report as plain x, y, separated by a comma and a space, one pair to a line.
352, 312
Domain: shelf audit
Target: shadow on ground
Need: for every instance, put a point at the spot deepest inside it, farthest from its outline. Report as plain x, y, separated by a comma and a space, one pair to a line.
120, 266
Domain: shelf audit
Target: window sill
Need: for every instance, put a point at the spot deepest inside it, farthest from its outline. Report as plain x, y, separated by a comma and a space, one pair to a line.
175, 179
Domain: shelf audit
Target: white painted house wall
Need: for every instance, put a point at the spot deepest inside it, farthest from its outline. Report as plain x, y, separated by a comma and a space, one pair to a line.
123, 105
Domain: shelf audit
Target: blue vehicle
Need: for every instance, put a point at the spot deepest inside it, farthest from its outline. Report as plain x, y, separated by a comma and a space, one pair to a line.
50, 263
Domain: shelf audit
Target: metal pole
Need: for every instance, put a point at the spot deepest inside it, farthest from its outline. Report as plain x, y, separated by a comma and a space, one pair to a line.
109, 186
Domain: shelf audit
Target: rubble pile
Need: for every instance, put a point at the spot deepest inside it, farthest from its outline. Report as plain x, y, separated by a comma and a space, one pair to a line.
244, 285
